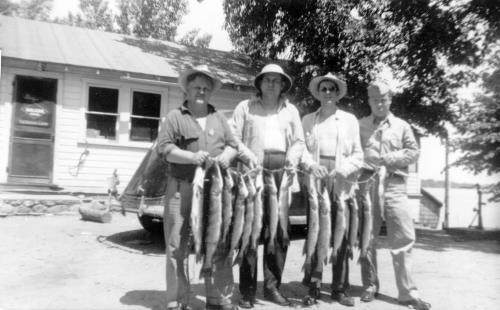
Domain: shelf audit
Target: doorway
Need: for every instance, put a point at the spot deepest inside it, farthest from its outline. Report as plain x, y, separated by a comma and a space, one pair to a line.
32, 138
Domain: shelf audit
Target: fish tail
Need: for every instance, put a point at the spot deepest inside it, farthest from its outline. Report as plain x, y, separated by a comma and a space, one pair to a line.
350, 253
271, 246
286, 240
333, 257
307, 265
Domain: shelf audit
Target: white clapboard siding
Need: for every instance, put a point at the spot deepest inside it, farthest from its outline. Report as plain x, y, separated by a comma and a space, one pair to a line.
5, 120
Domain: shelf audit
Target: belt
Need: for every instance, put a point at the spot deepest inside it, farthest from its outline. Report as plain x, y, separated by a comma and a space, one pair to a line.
269, 152
327, 157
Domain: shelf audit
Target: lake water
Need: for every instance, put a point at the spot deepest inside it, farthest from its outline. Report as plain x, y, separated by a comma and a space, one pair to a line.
463, 201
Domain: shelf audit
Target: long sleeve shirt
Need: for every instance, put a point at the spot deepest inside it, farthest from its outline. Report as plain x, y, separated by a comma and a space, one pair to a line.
348, 151
391, 142
181, 130
250, 127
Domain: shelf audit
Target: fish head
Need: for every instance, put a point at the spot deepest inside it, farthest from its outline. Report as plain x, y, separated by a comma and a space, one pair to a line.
242, 187
228, 179
217, 181
250, 183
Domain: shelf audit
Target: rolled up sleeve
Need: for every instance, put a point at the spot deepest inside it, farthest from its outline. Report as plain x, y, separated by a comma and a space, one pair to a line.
167, 136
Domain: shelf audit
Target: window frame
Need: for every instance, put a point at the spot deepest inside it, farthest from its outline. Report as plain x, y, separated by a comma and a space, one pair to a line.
159, 118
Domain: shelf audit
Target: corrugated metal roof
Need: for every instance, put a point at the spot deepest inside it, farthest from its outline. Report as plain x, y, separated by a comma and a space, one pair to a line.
54, 43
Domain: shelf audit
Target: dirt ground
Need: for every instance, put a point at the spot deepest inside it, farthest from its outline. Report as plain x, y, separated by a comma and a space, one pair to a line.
61, 262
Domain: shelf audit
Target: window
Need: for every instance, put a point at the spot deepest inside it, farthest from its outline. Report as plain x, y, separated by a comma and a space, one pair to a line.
102, 113
145, 118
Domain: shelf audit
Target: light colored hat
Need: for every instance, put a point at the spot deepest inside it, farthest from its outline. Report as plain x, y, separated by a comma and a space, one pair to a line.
376, 89
341, 85
202, 69
273, 68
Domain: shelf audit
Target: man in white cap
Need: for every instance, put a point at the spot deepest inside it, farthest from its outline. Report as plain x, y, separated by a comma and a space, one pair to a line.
189, 136
270, 135
388, 141
334, 156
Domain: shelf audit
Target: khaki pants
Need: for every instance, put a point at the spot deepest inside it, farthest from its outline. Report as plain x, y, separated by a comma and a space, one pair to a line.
219, 287
401, 237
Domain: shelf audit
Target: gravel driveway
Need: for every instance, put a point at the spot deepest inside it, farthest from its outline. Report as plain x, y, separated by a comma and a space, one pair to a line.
61, 262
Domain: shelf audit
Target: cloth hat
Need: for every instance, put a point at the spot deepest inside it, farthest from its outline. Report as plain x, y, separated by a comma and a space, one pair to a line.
203, 69
376, 89
341, 85
273, 68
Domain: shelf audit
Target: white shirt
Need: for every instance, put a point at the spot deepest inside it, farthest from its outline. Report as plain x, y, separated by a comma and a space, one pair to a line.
202, 121
273, 138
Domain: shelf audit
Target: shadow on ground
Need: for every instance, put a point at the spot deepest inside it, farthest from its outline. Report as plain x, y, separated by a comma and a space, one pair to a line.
155, 300
440, 241
138, 240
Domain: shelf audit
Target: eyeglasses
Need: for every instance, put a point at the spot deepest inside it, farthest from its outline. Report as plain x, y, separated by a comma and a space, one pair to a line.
329, 89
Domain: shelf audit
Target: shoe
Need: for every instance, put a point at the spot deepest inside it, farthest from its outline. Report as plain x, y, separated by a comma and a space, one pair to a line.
416, 303
246, 303
185, 307
368, 296
277, 298
222, 307
343, 299
313, 297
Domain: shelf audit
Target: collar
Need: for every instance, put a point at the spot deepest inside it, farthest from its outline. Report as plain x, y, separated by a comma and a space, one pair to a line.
389, 119
335, 115
283, 102
185, 110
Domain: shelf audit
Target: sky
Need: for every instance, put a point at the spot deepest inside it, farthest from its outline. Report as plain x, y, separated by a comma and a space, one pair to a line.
209, 17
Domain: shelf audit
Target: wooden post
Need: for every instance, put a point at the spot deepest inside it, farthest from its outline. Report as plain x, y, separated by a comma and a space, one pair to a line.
446, 222
479, 207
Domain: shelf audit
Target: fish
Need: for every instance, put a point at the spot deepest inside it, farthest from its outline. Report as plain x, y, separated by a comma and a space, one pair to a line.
196, 218
284, 204
312, 222
273, 206
257, 214
366, 226
249, 214
238, 213
227, 206
214, 220
339, 228
353, 226
325, 226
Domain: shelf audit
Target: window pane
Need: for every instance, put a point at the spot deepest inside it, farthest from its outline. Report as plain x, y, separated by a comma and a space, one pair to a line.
144, 129
103, 99
146, 104
101, 126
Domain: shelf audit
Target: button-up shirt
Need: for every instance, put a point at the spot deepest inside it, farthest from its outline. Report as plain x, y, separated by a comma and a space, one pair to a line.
180, 129
391, 142
249, 127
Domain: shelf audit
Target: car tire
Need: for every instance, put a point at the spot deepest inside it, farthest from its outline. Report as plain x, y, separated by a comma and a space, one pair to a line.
152, 224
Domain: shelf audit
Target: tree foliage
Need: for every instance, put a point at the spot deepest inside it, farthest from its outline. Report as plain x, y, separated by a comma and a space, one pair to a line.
479, 127
419, 39
31, 9
156, 19
195, 39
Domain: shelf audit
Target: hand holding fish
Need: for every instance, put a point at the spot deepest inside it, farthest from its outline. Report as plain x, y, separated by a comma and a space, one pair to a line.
199, 157
318, 171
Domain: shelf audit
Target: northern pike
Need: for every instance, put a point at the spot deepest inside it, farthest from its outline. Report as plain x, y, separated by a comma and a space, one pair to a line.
353, 225
325, 226
227, 206
197, 211
273, 206
214, 220
238, 213
312, 223
366, 216
284, 204
249, 215
340, 227
257, 214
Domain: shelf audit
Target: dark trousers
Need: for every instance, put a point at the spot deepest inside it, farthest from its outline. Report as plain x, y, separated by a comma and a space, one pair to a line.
273, 262
340, 281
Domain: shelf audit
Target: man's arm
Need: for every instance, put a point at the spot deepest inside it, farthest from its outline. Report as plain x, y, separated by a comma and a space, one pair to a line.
297, 146
408, 154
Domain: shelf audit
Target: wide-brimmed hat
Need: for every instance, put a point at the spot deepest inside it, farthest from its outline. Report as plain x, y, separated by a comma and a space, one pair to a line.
201, 69
341, 85
378, 88
273, 68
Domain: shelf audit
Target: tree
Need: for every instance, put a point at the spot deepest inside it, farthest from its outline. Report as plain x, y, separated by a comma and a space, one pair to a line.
419, 39
31, 9
479, 128
193, 38
156, 19
97, 14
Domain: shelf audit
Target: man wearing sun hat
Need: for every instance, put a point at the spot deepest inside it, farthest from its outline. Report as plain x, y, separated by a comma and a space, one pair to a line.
189, 136
270, 135
334, 156
388, 142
